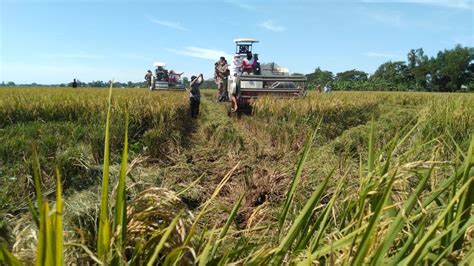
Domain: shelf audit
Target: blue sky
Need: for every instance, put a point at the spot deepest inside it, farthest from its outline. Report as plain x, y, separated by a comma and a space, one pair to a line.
52, 42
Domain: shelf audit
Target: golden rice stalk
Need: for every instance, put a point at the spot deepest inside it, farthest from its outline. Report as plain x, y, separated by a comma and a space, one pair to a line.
149, 215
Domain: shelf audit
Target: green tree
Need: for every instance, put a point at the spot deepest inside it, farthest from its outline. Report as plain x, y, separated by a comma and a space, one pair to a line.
393, 72
352, 75
319, 77
411, 56
209, 84
419, 67
186, 81
98, 83
78, 82
453, 68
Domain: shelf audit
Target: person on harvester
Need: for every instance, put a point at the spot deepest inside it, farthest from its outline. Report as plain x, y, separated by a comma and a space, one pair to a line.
248, 64
174, 77
161, 74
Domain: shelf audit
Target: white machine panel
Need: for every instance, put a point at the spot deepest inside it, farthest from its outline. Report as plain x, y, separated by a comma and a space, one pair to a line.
251, 84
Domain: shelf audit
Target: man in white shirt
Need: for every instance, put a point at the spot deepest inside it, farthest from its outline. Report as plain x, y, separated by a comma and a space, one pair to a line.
236, 68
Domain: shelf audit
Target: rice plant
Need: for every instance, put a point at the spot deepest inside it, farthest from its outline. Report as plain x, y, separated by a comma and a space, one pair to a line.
368, 182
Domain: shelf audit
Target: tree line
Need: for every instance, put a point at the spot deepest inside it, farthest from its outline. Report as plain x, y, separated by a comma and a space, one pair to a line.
95, 84
209, 83
451, 70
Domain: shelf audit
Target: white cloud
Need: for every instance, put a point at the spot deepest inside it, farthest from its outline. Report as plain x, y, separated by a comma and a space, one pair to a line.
385, 17
74, 55
382, 55
52, 73
137, 57
270, 25
169, 24
203, 53
461, 4
241, 5
90, 56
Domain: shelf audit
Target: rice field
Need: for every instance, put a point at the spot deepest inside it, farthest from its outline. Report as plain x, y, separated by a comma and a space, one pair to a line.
343, 178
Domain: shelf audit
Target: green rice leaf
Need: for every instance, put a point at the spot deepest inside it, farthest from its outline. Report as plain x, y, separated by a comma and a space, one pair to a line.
296, 178
397, 224
414, 256
120, 221
369, 233
226, 227
103, 238
58, 223
37, 177
163, 239
300, 221
8, 258
204, 256
467, 200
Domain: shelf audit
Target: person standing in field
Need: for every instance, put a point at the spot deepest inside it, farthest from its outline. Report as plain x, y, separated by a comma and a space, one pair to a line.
221, 73
195, 95
318, 88
235, 72
225, 94
148, 78
327, 88
74, 83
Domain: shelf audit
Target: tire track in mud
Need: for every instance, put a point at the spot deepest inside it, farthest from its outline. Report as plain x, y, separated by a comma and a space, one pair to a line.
218, 142
263, 178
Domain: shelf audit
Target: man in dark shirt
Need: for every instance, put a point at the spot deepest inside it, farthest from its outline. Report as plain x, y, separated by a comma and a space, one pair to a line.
148, 78
195, 95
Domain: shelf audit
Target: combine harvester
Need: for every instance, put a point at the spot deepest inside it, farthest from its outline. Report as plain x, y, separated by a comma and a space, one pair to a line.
269, 80
165, 80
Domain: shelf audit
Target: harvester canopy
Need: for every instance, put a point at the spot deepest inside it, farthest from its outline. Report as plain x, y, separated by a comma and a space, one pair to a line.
159, 64
243, 45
